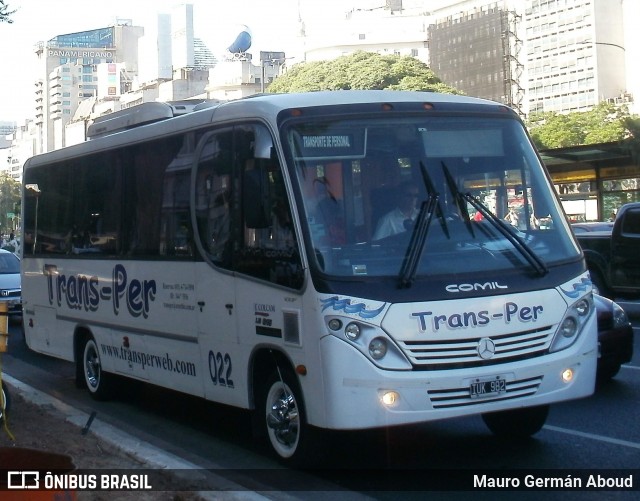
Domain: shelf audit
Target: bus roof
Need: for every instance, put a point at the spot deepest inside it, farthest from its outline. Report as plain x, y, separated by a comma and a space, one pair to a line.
168, 121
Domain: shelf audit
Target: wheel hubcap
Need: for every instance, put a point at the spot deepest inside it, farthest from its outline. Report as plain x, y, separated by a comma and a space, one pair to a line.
283, 417
92, 368
4, 403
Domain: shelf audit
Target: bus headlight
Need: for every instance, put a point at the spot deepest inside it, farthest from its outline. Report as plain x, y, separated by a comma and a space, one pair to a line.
572, 323
569, 327
583, 307
335, 324
370, 340
352, 331
378, 348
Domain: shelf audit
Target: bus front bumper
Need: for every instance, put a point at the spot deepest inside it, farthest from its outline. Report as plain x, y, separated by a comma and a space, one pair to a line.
364, 396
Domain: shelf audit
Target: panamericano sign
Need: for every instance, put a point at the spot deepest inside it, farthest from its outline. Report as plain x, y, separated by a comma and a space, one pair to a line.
81, 53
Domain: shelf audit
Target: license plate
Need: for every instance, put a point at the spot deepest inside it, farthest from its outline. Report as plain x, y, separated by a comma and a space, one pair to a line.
489, 387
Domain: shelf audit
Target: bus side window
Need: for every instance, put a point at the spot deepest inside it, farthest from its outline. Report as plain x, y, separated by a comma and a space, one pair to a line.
97, 211
268, 247
176, 235
152, 164
214, 196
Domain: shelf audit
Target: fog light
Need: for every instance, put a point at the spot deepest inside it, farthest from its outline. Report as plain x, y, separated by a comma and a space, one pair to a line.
390, 398
567, 375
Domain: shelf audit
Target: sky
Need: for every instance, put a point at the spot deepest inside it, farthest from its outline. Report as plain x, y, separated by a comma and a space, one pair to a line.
271, 23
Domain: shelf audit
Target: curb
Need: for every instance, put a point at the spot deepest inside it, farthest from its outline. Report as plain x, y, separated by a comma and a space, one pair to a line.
154, 457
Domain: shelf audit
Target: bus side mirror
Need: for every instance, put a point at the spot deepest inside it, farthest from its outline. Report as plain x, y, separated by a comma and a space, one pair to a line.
255, 199
263, 146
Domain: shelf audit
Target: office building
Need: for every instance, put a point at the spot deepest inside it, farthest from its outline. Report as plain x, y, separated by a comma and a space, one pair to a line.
7, 128
575, 54
476, 47
71, 66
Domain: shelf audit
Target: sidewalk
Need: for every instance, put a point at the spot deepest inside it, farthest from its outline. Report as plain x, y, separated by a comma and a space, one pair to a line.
39, 421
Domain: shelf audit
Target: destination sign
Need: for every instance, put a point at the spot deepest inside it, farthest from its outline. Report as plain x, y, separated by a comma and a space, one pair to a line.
339, 144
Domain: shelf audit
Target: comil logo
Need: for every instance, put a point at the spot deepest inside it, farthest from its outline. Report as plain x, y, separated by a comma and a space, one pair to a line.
475, 287
23, 480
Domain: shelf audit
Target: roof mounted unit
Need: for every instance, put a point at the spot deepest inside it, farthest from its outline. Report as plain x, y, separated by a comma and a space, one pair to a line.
142, 114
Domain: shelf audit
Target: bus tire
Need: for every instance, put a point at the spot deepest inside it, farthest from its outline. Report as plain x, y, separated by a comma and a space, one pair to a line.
517, 423
607, 372
284, 419
6, 402
98, 382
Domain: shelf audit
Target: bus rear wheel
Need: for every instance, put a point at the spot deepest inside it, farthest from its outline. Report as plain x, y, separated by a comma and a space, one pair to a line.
97, 381
284, 419
517, 423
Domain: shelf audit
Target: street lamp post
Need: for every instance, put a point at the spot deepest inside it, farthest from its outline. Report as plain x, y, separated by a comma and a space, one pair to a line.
611, 44
603, 43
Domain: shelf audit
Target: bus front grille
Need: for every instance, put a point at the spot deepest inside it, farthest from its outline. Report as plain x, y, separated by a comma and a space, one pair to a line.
471, 352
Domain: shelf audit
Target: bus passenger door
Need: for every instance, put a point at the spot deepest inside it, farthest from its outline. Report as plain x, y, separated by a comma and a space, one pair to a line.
267, 258
217, 333
246, 234
213, 201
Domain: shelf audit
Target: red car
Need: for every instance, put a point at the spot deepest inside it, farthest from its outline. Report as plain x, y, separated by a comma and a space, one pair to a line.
615, 337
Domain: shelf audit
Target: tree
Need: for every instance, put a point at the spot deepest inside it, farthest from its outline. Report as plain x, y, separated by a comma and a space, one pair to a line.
361, 70
5, 13
632, 143
9, 201
604, 123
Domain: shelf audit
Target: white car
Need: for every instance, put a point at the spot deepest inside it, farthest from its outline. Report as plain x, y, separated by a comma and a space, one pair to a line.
10, 289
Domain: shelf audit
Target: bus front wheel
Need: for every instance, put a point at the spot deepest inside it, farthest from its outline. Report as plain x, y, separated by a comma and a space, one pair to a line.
284, 419
97, 381
5, 403
517, 423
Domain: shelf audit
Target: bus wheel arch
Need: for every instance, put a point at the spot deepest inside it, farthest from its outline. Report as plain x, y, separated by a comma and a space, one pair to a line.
279, 410
89, 371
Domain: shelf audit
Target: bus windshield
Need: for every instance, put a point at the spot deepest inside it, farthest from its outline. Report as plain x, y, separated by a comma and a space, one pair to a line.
416, 197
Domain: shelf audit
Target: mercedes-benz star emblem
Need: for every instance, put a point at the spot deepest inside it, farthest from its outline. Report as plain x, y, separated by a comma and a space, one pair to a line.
486, 348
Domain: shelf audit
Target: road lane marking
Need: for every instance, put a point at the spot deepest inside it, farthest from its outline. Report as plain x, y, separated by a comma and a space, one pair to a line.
631, 367
592, 436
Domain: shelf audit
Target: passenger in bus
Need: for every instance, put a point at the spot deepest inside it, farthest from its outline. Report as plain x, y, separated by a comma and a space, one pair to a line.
282, 232
401, 218
327, 211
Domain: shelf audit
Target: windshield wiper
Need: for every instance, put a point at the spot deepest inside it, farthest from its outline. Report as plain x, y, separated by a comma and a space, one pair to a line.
418, 239
428, 208
458, 199
520, 245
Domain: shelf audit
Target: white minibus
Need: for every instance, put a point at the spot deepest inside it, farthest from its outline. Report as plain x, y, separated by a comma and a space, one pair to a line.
331, 260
